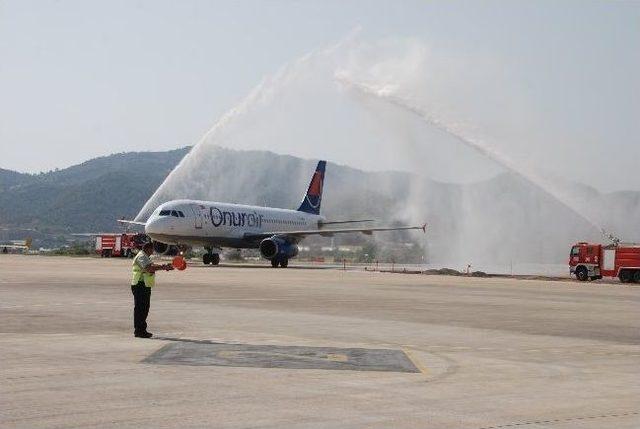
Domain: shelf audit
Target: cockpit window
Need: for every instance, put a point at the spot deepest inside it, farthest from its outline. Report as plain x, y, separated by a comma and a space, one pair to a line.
174, 213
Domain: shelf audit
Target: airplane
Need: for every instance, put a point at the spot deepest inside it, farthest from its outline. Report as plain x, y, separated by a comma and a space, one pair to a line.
275, 232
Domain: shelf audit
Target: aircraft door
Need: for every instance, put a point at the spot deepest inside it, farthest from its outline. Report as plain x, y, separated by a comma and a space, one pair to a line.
197, 213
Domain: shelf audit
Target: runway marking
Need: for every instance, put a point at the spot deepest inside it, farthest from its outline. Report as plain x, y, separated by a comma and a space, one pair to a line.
336, 357
207, 353
228, 354
569, 419
417, 363
225, 299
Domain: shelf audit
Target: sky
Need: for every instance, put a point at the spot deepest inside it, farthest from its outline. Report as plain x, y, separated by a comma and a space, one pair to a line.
554, 84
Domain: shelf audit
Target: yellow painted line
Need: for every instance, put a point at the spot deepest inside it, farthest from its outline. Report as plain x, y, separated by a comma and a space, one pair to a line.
423, 369
228, 354
337, 357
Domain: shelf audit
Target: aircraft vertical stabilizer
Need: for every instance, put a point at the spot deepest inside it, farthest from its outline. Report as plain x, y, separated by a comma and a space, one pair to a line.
313, 197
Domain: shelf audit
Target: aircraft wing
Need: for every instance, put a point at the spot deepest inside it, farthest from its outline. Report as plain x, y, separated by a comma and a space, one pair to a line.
331, 232
131, 222
336, 222
90, 234
95, 234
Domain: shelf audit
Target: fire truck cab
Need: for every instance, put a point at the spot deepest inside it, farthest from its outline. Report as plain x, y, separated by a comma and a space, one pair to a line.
594, 261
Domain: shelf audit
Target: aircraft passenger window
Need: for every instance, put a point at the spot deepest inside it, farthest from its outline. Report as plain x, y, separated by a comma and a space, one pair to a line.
165, 212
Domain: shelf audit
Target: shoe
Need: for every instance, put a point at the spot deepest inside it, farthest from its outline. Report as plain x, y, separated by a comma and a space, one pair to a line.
143, 335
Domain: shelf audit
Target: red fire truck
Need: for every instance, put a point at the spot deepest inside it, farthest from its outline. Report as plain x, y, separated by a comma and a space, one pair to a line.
123, 245
594, 261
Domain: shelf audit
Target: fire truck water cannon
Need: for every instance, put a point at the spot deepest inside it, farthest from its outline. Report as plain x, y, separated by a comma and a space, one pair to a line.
612, 238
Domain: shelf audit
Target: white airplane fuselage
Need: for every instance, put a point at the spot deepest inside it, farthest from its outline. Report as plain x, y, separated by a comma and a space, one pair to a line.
214, 224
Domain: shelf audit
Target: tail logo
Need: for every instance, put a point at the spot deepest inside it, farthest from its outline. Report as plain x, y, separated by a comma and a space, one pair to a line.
315, 189
313, 197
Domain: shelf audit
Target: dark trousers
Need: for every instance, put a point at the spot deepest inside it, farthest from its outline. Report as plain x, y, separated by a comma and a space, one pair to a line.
141, 304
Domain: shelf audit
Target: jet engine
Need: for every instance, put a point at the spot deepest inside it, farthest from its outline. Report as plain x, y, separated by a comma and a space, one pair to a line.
273, 247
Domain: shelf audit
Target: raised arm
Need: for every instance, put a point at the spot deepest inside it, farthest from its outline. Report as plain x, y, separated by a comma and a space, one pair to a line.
152, 268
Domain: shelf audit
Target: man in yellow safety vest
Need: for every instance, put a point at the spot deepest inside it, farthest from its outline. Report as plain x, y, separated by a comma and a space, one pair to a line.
142, 281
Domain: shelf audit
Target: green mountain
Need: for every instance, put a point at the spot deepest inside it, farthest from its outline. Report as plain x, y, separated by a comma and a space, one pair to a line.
499, 220
84, 197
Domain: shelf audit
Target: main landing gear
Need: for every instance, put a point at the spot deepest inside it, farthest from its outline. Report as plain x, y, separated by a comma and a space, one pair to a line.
283, 262
210, 257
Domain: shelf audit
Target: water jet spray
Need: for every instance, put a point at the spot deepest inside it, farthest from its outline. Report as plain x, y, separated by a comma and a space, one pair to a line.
388, 93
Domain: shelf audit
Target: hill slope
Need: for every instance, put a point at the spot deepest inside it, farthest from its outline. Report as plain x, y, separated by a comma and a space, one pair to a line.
84, 197
500, 220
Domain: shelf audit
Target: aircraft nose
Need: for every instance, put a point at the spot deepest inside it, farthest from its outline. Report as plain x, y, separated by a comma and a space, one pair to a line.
153, 226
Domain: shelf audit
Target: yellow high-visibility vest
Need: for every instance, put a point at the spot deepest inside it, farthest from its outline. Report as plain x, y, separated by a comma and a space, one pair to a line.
138, 274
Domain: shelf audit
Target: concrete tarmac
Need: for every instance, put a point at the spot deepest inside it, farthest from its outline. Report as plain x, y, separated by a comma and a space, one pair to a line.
280, 348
